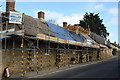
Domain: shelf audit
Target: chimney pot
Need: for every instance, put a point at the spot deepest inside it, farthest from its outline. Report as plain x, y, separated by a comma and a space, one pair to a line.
41, 14
65, 24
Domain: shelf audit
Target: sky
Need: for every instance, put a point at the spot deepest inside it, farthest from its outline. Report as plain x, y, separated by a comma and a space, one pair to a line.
72, 12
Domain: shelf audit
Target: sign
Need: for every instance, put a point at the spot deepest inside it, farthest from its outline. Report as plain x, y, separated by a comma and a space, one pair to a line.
89, 41
15, 17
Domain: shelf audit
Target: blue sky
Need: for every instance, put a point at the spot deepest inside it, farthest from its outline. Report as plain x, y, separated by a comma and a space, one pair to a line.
72, 12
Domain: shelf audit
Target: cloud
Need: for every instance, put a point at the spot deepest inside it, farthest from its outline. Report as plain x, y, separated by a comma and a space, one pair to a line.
113, 11
52, 15
99, 6
48, 14
73, 19
60, 17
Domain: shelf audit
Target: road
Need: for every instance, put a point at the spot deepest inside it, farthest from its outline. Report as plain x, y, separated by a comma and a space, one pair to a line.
106, 69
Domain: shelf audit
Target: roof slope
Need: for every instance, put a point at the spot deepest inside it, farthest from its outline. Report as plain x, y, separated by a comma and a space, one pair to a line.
32, 26
77, 37
63, 33
97, 38
35, 26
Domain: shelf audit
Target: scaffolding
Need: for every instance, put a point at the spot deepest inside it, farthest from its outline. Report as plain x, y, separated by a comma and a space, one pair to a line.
32, 56
0, 40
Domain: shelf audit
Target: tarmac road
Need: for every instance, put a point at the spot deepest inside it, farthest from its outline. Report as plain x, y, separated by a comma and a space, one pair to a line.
106, 69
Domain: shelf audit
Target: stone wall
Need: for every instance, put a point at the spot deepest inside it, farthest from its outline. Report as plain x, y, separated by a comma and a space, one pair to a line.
106, 53
29, 64
93, 56
35, 60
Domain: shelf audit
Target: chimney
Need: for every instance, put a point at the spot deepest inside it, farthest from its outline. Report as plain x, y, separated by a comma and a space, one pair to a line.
10, 5
65, 24
41, 14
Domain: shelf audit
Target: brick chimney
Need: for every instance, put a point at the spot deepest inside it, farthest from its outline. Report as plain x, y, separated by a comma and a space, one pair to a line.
10, 5
41, 14
65, 24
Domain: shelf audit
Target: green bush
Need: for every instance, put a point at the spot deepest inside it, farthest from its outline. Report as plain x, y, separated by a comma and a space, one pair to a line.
114, 52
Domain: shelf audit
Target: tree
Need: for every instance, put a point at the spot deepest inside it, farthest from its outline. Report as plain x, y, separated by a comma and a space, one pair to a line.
95, 24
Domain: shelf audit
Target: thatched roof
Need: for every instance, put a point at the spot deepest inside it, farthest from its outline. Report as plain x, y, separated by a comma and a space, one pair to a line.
97, 38
32, 26
35, 26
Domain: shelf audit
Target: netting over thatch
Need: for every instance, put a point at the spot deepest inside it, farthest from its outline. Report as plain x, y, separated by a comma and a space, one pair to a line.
97, 38
32, 26
35, 26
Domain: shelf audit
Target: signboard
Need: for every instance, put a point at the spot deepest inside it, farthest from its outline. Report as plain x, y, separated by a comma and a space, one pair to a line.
89, 41
15, 17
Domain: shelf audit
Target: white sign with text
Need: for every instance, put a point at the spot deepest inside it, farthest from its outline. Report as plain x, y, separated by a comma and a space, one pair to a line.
15, 17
